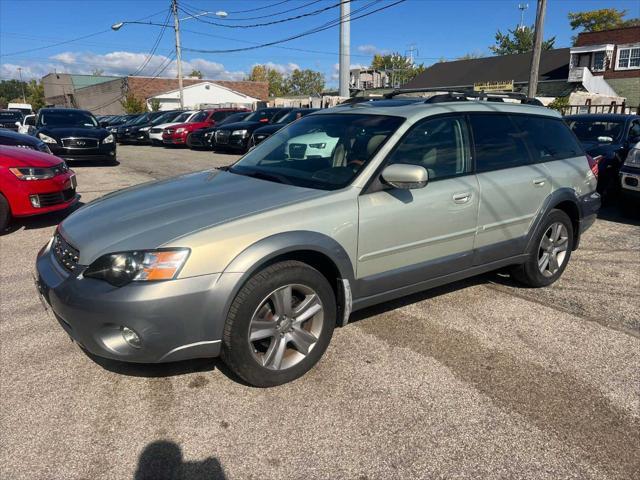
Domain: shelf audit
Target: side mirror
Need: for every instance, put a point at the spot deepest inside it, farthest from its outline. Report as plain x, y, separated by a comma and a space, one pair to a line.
405, 176
18, 124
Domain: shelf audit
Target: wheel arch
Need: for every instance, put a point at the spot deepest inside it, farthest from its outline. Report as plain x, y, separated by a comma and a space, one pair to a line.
315, 249
564, 199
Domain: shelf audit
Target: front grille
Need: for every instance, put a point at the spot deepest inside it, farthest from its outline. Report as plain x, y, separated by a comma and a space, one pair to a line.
80, 143
222, 136
67, 255
55, 198
297, 150
156, 130
169, 131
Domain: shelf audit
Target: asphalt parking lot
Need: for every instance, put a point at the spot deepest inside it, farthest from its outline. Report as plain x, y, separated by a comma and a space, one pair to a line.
479, 379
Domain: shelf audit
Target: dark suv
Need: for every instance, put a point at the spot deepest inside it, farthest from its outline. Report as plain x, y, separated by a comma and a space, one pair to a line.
75, 135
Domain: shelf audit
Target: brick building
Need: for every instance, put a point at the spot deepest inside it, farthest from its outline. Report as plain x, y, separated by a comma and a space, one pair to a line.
612, 56
102, 95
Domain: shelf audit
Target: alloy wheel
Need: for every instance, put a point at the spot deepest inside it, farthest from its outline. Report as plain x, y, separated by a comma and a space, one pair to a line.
286, 326
553, 249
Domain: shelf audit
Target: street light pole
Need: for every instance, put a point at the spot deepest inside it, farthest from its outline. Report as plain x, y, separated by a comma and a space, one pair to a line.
537, 48
176, 27
345, 40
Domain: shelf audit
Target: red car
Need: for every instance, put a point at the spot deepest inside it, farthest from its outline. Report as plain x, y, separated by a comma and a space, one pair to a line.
32, 183
180, 134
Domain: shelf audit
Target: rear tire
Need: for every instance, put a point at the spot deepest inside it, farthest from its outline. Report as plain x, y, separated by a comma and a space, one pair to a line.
279, 325
550, 254
5, 214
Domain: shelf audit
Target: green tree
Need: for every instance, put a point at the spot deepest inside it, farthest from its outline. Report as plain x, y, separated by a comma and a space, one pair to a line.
196, 73
559, 104
398, 67
155, 104
518, 40
471, 56
305, 82
132, 104
35, 95
276, 81
3, 102
12, 88
598, 20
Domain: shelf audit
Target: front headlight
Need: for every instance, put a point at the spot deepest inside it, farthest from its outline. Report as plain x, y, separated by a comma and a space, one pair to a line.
44, 148
180, 130
145, 129
30, 173
633, 158
46, 138
140, 266
242, 133
108, 139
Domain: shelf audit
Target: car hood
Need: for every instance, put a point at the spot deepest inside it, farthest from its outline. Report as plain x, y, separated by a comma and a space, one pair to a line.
21, 157
64, 132
240, 125
152, 214
605, 149
165, 125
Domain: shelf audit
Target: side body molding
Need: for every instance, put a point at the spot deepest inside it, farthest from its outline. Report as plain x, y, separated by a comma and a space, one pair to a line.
249, 261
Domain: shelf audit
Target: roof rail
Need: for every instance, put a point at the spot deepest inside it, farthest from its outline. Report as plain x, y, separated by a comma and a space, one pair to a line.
461, 94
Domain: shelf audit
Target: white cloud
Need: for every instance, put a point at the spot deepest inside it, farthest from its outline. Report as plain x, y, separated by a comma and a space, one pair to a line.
118, 63
369, 49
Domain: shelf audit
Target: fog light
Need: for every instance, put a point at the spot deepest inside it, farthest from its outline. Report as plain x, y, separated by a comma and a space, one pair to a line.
35, 201
131, 337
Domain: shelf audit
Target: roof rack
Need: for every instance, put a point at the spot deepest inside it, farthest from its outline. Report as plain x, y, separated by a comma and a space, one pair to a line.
462, 95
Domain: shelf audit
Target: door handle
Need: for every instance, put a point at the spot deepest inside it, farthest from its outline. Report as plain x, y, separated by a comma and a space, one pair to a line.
462, 197
539, 182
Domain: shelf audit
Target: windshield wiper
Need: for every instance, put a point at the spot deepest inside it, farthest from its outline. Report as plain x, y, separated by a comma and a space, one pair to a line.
264, 176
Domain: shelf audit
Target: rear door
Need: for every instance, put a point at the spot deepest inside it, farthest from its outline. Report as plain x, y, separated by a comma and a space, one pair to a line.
407, 236
512, 187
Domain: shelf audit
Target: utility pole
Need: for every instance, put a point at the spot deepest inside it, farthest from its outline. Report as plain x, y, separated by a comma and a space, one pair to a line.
537, 47
176, 27
345, 40
24, 99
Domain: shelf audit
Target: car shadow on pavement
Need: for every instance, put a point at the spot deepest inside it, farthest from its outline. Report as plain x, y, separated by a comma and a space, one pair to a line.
614, 213
163, 460
40, 221
90, 163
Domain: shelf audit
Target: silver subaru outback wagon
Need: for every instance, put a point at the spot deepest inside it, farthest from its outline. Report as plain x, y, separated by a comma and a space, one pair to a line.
343, 209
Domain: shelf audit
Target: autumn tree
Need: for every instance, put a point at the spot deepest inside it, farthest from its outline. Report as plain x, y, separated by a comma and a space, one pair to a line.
305, 82
196, 73
155, 104
275, 79
598, 20
518, 40
35, 95
132, 104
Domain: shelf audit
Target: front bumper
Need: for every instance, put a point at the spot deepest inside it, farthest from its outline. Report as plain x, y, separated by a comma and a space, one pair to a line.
174, 139
176, 320
101, 153
134, 137
54, 194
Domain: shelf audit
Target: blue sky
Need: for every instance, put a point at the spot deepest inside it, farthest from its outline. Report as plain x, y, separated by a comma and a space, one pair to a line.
437, 29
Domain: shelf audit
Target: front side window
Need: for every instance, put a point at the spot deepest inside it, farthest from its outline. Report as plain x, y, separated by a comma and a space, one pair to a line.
588, 130
498, 143
319, 151
220, 115
199, 117
548, 138
67, 118
629, 58
440, 145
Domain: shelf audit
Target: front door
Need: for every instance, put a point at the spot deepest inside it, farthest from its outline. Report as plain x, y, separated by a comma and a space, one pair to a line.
407, 236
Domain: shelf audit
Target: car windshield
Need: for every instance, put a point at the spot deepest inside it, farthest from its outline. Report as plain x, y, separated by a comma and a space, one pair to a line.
199, 117
165, 118
183, 117
141, 119
319, 151
236, 117
588, 130
68, 118
9, 116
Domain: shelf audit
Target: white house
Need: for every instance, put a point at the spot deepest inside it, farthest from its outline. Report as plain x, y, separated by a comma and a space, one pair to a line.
202, 95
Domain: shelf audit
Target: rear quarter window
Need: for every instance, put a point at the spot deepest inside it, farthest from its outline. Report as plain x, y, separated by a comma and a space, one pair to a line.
548, 139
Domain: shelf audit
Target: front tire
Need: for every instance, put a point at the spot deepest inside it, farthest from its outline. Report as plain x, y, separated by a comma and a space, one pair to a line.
551, 252
5, 214
188, 142
279, 324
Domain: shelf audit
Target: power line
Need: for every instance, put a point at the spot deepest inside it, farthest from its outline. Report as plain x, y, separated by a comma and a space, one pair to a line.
265, 24
261, 8
155, 45
260, 16
300, 35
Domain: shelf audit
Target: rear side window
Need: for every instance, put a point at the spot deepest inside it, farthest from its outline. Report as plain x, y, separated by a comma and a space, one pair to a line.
221, 115
440, 145
548, 138
498, 143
